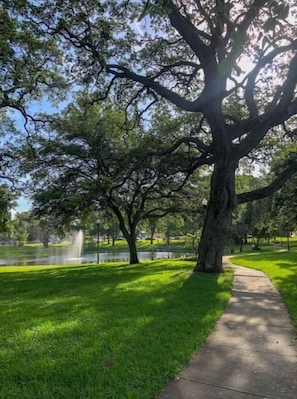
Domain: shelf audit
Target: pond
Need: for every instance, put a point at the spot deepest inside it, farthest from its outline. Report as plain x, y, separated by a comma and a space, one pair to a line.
86, 258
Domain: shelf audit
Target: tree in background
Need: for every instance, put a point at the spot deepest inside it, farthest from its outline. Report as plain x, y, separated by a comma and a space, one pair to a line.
9, 159
108, 225
152, 226
21, 226
258, 221
171, 225
7, 203
88, 162
284, 205
284, 208
41, 229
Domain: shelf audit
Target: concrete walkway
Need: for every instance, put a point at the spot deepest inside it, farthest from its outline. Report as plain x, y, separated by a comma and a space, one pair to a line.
251, 353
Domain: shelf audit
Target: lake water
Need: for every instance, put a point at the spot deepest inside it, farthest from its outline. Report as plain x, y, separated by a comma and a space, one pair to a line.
87, 258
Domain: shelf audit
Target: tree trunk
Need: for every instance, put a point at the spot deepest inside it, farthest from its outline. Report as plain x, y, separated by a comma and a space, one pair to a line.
152, 232
129, 234
131, 240
133, 250
218, 219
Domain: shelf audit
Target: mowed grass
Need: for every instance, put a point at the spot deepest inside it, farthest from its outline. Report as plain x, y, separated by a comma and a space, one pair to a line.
281, 268
107, 331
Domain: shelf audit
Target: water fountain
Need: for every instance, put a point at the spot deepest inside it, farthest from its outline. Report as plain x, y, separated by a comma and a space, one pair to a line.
75, 250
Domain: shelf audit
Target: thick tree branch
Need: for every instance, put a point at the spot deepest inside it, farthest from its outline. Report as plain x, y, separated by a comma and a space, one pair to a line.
188, 32
179, 101
170, 67
275, 114
250, 15
251, 78
264, 192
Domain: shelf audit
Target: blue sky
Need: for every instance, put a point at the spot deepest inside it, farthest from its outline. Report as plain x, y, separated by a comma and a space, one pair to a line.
23, 205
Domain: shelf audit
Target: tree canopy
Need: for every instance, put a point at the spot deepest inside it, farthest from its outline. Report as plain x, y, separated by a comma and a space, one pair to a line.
29, 65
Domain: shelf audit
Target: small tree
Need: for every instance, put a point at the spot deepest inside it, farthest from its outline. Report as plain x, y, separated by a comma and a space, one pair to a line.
7, 203
21, 225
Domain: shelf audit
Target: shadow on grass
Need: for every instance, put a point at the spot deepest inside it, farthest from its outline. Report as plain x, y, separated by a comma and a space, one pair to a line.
107, 331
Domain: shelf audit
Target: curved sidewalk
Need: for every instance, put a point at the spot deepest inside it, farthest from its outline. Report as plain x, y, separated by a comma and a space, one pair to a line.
251, 353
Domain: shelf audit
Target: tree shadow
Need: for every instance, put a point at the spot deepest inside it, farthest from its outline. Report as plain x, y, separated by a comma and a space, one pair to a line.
86, 317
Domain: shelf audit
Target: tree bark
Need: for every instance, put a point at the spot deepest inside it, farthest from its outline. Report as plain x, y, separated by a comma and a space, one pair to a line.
218, 218
132, 249
129, 234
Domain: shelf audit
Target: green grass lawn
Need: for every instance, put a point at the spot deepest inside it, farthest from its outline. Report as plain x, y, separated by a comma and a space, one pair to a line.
108, 331
281, 268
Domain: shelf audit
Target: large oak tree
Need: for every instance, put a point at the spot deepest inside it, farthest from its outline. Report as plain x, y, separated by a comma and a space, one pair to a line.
232, 62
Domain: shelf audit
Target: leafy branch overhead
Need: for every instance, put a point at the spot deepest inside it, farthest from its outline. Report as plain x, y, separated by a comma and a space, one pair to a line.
198, 55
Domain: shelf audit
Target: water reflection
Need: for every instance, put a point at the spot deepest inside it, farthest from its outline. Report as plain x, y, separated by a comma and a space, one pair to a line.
87, 258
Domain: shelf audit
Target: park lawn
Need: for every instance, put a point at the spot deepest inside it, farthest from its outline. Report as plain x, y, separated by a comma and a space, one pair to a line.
281, 268
108, 331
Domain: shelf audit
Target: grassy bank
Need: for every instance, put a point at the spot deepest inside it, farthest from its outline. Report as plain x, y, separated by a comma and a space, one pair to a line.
281, 267
100, 332
175, 245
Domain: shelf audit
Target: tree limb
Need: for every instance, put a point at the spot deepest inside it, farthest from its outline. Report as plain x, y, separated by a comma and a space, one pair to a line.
188, 31
273, 187
179, 101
